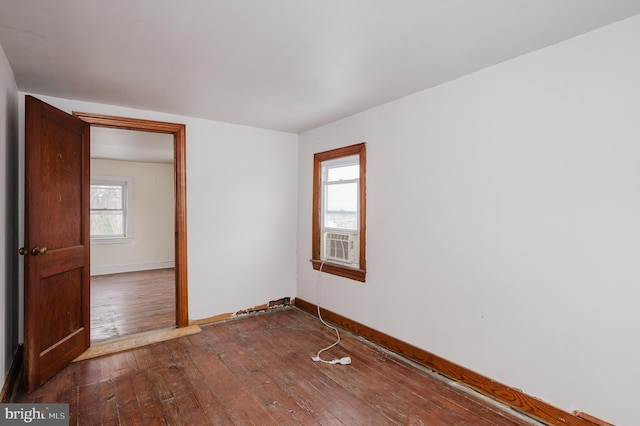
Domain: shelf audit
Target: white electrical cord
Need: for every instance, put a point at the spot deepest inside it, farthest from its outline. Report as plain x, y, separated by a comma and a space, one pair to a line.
345, 360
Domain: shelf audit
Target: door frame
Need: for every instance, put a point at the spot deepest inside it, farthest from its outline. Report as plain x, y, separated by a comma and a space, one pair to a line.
179, 154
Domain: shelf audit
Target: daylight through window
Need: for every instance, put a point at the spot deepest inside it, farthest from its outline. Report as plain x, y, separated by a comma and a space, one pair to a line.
109, 208
339, 211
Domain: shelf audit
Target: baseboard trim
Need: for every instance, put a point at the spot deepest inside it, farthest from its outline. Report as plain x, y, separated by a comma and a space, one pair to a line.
212, 320
13, 377
513, 398
596, 421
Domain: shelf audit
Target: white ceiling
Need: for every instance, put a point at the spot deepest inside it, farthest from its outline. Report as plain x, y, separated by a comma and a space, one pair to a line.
280, 64
131, 145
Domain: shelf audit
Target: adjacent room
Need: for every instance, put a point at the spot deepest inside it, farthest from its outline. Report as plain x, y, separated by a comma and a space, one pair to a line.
200, 197
132, 226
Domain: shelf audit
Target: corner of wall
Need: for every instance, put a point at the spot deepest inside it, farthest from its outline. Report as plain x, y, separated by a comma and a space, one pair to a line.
9, 213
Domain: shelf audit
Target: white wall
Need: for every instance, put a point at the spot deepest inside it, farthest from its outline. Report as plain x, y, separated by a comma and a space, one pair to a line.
241, 209
504, 222
9, 261
151, 215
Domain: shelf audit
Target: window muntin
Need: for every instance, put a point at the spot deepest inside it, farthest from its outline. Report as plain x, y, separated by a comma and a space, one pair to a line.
109, 208
339, 211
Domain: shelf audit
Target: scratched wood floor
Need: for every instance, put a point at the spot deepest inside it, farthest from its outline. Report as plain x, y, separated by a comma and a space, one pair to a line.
257, 370
132, 302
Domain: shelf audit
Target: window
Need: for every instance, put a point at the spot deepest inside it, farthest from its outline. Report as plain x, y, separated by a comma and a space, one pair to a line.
339, 212
109, 203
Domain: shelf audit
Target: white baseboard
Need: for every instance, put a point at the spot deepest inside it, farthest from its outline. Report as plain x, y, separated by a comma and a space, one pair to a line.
118, 269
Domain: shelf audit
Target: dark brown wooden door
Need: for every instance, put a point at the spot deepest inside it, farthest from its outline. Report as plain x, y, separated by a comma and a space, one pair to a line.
56, 288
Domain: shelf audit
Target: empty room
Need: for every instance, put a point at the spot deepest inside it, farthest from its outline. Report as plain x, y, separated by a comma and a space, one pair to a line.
320, 212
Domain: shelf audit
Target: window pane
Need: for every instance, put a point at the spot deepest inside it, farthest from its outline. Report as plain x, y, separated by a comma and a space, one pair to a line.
107, 223
342, 197
341, 220
106, 196
343, 173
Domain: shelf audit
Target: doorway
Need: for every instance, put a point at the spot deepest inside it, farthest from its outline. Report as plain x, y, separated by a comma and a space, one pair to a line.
178, 133
56, 242
132, 233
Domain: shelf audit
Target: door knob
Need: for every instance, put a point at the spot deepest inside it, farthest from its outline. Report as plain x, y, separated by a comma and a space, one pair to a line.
37, 250
22, 251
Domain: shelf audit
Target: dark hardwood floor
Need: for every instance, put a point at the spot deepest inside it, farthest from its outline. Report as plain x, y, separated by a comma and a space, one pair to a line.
132, 302
258, 370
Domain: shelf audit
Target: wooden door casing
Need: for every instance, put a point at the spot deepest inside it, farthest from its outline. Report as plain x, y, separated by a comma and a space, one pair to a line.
180, 170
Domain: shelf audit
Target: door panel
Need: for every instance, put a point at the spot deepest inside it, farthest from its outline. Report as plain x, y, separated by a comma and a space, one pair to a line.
56, 211
61, 184
68, 286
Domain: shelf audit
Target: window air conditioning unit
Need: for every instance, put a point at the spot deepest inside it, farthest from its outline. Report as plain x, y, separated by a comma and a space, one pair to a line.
340, 247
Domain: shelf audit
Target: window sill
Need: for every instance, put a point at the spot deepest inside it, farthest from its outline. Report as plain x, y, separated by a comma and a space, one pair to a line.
340, 270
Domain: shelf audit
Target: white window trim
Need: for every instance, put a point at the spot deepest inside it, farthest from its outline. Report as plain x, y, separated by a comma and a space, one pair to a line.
128, 228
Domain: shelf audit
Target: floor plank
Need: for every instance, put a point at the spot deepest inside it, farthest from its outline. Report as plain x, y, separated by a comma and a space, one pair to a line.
258, 370
132, 302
